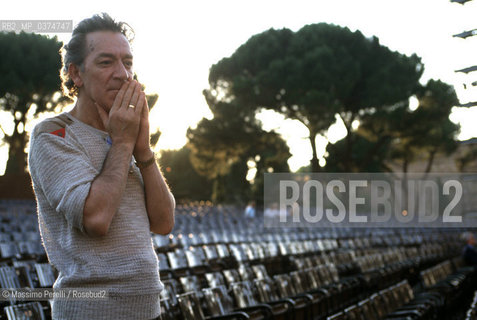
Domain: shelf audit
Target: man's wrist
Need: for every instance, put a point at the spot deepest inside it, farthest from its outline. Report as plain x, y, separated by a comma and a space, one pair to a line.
145, 160
123, 147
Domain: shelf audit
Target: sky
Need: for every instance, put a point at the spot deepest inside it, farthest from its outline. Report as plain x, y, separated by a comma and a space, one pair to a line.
178, 41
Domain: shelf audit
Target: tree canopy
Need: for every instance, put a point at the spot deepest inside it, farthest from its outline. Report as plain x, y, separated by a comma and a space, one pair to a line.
29, 65
396, 135
313, 74
427, 130
222, 146
185, 183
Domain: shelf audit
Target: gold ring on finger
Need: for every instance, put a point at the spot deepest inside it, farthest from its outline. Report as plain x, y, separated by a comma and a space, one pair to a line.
132, 106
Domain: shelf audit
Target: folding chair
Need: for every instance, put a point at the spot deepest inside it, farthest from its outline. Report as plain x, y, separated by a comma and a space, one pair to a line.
26, 311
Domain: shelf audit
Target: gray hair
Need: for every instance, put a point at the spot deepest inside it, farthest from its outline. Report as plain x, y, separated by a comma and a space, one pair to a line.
75, 51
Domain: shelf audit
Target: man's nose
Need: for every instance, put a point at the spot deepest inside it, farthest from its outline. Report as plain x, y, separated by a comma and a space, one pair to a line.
121, 72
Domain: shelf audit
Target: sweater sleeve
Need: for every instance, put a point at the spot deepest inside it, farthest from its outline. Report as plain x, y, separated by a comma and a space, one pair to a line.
64, 174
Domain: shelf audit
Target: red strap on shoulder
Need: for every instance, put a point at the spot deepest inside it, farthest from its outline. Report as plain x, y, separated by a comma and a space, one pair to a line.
59, 132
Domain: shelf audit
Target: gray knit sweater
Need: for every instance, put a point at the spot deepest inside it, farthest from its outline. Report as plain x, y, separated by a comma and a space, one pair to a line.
65, 157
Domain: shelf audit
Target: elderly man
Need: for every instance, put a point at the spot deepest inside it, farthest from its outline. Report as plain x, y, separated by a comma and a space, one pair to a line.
99, 190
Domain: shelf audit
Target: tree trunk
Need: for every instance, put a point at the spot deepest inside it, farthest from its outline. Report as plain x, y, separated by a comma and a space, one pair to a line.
430, 161
405, 165
218, 189
315, 166
369, 157
16, 163
405, 168
347, 161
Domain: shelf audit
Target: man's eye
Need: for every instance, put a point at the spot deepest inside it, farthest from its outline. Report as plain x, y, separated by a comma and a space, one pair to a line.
105, 63
128, 63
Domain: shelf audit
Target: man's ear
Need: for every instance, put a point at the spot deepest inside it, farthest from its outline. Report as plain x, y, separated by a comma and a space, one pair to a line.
74, 73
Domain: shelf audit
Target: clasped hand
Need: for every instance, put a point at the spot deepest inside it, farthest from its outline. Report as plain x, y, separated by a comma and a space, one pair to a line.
128, 119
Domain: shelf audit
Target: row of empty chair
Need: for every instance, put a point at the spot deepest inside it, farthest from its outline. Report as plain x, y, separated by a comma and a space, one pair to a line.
218, 263
310, 270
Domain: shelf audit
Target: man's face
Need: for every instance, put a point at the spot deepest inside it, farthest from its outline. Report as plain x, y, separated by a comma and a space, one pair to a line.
107, 65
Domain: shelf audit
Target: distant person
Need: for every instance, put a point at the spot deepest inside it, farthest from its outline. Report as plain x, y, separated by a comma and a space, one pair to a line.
470, 252
98, 188
250, 211
272, 211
